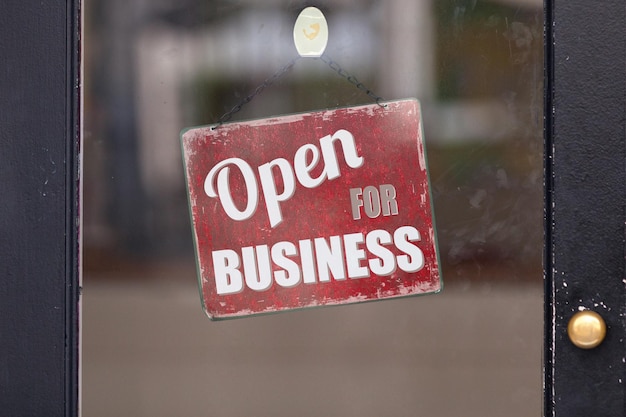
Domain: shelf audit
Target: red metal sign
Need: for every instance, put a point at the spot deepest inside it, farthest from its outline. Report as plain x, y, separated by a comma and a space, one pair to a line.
323, 208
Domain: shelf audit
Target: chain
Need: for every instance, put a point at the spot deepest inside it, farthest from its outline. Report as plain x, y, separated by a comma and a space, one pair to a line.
278, 74
269, 81
351, 78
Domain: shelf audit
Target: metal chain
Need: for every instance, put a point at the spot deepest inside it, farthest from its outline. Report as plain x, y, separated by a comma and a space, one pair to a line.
269, 81
278, 74
351, 78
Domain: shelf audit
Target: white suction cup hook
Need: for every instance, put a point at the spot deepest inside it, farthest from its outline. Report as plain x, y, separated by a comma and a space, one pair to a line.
310, 33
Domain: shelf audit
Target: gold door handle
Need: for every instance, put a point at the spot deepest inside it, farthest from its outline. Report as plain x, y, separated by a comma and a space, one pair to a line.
586, 329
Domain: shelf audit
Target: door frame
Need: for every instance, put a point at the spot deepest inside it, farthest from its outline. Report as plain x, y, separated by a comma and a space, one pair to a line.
40, 154
585, 202
40, 128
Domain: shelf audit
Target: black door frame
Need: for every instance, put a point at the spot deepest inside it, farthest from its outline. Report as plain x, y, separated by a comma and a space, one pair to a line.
585, 203
39, 207
585, 172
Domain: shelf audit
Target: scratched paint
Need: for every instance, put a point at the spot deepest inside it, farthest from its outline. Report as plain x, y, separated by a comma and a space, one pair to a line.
241, 268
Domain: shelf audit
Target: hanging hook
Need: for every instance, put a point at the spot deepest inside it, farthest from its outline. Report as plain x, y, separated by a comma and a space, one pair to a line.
310, 33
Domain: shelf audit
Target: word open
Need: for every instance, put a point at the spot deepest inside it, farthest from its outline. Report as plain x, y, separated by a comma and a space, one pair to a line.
306, 159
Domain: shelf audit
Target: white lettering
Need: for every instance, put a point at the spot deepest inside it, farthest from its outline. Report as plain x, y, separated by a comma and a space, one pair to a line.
316, 260
228, 279
272, 197
290, 275
223, 188
413, 261
349, 152
385, 263
354, 255
329, 258
308, 263
258, 279
302, 167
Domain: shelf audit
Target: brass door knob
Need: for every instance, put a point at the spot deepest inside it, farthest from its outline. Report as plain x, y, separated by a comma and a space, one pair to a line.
586, 329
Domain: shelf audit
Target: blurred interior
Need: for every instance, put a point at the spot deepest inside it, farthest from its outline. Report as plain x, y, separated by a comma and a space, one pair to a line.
155, 67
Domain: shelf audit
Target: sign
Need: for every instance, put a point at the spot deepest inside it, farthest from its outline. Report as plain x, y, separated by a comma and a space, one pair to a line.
324, 208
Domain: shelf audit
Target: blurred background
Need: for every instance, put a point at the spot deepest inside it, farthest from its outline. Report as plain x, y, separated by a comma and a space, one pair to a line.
154, 67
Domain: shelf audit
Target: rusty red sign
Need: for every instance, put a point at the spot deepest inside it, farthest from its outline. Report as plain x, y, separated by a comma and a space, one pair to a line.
322, 208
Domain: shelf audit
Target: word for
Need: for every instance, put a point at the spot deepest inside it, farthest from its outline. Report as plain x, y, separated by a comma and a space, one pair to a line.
373, 202
340, 256
305, 161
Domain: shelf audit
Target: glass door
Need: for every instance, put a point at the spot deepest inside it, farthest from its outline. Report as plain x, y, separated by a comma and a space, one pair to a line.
155, 68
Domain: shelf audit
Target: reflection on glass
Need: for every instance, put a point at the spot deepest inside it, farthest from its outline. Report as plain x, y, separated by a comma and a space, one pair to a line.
153, 68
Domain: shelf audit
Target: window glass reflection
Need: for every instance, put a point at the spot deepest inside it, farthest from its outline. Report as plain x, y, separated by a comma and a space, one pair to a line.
155, 67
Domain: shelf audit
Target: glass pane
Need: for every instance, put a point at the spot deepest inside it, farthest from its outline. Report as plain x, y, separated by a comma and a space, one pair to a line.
153, 68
